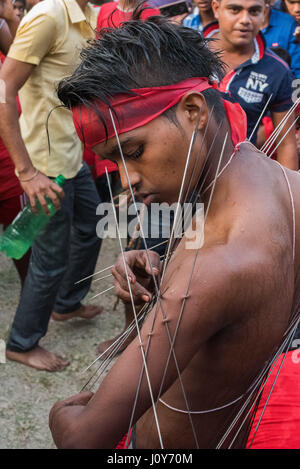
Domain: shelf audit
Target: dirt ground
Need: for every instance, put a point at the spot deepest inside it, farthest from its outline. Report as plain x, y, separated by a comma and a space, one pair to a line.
26, 394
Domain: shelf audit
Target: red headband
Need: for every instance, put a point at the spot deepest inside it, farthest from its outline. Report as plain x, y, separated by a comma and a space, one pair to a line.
134, 111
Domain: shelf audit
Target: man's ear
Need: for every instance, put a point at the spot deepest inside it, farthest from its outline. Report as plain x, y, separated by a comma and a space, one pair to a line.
191, 104
215, 5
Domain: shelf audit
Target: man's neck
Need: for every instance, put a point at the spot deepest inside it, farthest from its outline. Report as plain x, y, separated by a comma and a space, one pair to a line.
125, 5
233, 55
219, 151
82, 4
230, 48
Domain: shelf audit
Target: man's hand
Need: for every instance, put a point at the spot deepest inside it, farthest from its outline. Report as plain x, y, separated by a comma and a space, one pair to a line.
39, 187
64, 413
7, 11
140, 275
297, 34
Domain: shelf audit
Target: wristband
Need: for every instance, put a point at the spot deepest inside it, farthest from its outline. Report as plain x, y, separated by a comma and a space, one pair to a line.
26, 180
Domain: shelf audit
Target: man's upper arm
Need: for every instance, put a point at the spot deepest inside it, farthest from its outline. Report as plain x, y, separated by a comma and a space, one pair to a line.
34, 39
287, 154
14, 74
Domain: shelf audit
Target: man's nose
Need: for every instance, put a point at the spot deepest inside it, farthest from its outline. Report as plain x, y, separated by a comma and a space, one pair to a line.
245, 17
129, 177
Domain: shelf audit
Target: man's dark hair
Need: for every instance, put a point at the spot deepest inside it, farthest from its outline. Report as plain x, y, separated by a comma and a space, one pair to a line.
141, 54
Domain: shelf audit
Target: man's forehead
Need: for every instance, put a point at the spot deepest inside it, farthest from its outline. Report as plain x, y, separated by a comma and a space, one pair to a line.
243, 3
111, 146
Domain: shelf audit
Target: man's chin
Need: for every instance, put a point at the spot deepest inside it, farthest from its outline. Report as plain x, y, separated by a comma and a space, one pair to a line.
241, 40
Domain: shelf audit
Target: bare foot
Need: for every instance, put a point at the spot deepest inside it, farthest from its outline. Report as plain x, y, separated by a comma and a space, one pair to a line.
84, 312
103, 346
39, 358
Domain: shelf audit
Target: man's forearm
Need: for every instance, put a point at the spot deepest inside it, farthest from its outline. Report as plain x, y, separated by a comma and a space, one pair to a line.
11, 135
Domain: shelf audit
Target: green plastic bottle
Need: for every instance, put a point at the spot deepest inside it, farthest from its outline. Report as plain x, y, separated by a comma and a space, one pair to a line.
20, 235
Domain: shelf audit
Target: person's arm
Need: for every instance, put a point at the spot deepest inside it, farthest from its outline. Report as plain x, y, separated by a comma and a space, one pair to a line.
287, 154
297, 34
5, 38
33, 41
14, 74
101, 420
293, 48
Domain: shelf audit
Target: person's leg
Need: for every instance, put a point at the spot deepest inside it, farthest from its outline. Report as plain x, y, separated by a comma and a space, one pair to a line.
22, 266
84, 250
9, 209
48, 265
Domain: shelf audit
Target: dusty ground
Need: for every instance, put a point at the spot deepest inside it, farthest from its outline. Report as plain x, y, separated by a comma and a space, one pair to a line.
26, 394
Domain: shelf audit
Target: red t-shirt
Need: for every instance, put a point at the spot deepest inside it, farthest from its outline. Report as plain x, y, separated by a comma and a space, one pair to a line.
96, 165
110, 16
9, 183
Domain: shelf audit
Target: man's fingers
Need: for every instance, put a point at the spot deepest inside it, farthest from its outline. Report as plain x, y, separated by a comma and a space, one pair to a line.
121, 283
120, 270
43, 203
139, 269
122, 294
59, 191
54, 198
39, 188
32, 201
152, 263
139, 293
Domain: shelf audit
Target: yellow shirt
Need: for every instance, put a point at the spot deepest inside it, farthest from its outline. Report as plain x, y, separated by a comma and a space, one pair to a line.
51, 36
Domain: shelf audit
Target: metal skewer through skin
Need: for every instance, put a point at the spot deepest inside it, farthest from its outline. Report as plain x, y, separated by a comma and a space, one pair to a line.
269, 142
158, 293
135, 316
194, 263
288, 130
265, 374
266, 371
172, 345
260, 117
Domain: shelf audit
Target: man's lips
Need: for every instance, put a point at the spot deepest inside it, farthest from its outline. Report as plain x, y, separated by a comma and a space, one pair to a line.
147, 199
204, 5
243, 31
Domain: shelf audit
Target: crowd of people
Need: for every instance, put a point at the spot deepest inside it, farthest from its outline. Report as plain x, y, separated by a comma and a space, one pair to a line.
221, 79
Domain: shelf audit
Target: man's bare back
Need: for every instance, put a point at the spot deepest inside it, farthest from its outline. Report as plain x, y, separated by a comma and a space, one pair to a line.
247, 243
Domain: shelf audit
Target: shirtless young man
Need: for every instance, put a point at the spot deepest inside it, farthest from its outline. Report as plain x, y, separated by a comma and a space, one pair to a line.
239, 302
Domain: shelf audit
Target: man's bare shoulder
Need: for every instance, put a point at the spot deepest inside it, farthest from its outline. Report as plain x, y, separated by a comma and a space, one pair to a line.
211, 283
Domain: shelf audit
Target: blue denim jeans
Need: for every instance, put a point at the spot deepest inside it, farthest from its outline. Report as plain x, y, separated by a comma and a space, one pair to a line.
64, 252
